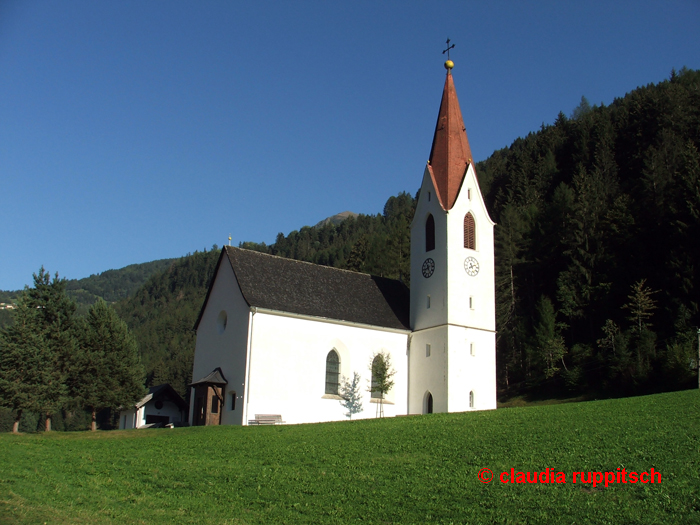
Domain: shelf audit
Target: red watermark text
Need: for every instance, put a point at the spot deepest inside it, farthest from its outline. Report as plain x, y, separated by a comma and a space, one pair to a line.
551, 475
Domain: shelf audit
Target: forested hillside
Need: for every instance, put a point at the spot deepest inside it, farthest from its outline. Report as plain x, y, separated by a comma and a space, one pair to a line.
376, 244
597, 245
597, 258
113, 285
162, 313
110, 285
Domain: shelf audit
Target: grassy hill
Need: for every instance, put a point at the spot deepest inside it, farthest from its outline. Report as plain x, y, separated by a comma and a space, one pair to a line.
420, 469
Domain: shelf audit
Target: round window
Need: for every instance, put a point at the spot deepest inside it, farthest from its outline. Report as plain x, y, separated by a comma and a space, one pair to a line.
221, 321
159, 404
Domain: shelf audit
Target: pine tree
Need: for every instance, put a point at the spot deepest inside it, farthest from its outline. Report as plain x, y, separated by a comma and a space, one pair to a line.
584, 108
56, 314
549, 345
27, 364
358, 255
512, 238
43, 333
107, 371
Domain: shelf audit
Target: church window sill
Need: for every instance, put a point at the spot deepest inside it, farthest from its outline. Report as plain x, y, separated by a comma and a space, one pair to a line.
385, 401
331, 396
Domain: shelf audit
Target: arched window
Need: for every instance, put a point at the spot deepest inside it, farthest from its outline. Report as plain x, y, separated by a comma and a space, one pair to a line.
429, 233
428, 403
332, 373
469, 232
471, 399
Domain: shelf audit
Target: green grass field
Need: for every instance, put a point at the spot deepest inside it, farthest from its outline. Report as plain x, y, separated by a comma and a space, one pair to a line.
420, 469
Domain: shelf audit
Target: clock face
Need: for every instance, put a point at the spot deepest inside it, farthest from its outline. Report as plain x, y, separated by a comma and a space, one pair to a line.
428, 267
471, 266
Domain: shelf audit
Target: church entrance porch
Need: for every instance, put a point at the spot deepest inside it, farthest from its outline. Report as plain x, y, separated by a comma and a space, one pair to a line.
208, 398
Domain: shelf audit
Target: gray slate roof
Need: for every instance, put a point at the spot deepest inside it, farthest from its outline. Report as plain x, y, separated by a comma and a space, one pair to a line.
297, 287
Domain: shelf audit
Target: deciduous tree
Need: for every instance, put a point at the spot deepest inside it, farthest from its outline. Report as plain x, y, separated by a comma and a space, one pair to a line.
382, 382
640, 305
350, 392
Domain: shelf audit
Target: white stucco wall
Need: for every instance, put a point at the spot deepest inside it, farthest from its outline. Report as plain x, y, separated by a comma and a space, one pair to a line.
224, 347
471, 372
169, 409
481, 288
428, 373
452, 371
288, 367
436, 285
127, 419
135, 418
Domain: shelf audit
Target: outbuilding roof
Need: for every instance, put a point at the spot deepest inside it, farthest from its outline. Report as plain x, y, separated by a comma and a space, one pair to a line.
164, 391
297, 287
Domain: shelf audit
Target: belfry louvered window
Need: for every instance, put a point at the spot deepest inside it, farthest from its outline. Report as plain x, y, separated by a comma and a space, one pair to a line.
469, 232
429, 233
332, 373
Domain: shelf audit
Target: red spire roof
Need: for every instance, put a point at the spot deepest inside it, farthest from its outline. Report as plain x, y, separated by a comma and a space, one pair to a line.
450, 155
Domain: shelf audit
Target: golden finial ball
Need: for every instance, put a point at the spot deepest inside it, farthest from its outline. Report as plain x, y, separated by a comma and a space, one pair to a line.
449, 64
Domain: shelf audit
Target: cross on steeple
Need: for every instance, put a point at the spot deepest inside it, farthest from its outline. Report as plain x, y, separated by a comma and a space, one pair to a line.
448, 48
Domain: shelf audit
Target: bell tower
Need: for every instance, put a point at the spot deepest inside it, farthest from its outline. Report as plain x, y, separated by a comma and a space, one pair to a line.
452, 356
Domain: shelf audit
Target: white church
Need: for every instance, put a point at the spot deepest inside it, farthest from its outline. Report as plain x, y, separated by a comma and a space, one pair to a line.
276, 336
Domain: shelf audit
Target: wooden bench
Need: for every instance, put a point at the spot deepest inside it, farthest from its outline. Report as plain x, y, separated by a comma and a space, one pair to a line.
266, 419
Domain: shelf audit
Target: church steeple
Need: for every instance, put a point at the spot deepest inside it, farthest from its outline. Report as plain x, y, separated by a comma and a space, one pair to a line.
452, 354
450, 154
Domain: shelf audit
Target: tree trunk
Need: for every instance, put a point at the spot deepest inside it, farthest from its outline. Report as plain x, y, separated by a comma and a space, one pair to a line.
47, 427
94, 420
563, 363
15, 426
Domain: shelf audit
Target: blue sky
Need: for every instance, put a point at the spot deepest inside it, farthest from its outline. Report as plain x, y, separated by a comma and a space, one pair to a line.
139, 130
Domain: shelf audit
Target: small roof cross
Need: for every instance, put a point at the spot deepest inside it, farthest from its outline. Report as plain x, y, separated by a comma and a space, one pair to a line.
448, 48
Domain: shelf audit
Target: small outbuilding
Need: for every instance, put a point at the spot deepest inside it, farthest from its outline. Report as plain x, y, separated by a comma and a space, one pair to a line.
162, 406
